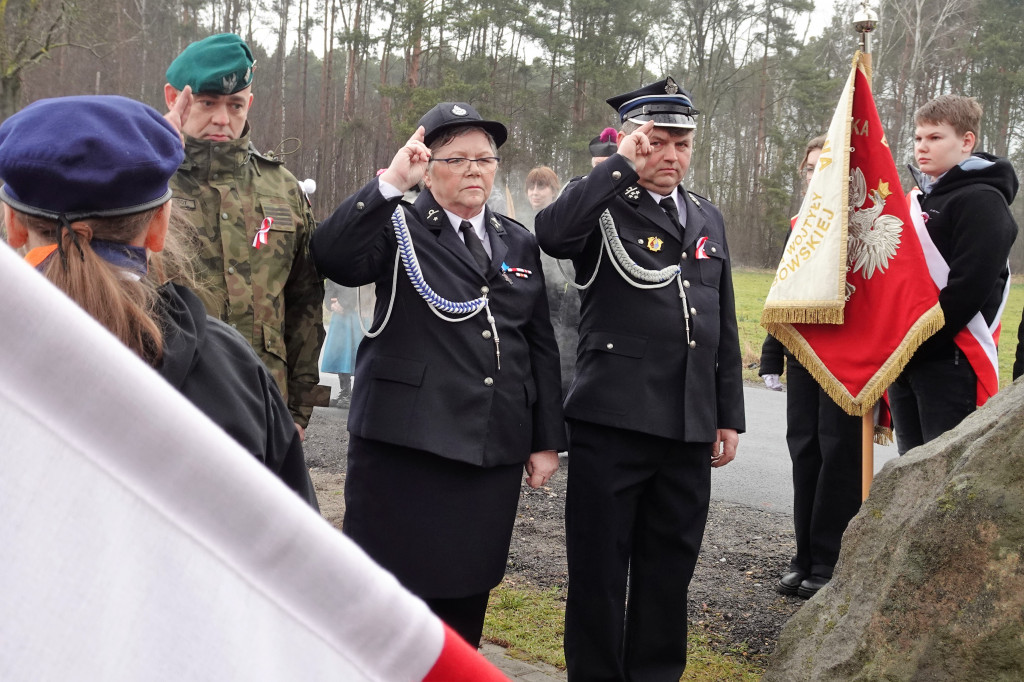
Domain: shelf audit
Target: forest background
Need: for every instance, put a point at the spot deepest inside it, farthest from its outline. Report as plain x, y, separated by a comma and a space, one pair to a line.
340, 84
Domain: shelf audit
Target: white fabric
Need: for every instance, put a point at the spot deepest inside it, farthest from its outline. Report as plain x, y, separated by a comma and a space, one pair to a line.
812, 272
139, 542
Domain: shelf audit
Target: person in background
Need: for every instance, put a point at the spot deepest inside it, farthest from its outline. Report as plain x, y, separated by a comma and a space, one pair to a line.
656, 400
343, 337
825, 447
541, 189
87, 192
603, 146
966, 197
253, 219
447, 406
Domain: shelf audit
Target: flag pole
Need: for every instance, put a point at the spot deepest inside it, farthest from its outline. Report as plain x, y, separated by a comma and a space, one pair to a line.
865, 20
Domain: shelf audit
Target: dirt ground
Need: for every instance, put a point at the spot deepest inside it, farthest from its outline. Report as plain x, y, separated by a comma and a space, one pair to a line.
732, 594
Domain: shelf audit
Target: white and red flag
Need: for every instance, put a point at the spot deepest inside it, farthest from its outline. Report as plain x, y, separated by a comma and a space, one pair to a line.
852, 297
138, 541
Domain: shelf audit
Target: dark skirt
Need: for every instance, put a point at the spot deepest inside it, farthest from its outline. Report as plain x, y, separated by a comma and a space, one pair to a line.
442, 527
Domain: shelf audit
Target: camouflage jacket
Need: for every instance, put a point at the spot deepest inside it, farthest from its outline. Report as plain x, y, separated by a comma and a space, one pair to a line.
273, 294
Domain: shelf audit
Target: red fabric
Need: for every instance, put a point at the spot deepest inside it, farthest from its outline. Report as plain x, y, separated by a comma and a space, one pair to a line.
879, 316
459, 662
988, 376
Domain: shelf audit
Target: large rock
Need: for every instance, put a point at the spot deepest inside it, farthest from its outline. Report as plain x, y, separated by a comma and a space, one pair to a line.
930, 583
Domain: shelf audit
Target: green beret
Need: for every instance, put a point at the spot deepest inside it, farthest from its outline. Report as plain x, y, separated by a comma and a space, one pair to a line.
220, 64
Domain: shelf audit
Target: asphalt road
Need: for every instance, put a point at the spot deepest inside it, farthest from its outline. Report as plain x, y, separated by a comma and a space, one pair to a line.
760, 476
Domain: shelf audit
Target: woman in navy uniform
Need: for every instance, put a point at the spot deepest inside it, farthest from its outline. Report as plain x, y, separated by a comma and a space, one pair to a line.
657, 396
457, 386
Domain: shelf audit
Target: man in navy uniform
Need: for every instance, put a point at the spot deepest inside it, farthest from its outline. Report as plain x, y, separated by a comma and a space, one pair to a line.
449, 402
657, 396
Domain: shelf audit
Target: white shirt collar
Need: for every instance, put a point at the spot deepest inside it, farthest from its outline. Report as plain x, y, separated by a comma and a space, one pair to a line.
680, 204
477, 222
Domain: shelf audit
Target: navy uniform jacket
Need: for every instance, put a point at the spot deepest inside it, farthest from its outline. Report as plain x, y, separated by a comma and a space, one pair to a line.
433, 385
634, 368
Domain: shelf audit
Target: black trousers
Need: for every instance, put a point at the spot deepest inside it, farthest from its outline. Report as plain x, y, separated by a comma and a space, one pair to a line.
931, 397
825, 446
465, 615
636, 506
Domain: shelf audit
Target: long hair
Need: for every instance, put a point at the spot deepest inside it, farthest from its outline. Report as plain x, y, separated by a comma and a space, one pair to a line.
128, 307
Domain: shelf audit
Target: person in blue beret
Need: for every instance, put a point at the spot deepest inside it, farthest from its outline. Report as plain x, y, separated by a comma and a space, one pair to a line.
87, 193
253, 219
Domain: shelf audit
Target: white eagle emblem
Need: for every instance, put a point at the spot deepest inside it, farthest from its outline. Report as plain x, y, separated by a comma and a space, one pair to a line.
872, 238
459, 111
229, 82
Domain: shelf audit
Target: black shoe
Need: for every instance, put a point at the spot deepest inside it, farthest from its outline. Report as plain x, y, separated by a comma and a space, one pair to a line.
809, 587
790, 583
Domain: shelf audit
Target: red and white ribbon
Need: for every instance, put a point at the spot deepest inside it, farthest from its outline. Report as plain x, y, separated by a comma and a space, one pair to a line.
699, 251
261, 234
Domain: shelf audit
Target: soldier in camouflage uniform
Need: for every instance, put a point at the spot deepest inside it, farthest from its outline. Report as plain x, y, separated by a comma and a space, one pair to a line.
253, 219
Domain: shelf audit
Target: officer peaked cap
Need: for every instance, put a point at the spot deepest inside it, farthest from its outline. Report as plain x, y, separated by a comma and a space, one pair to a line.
664, 102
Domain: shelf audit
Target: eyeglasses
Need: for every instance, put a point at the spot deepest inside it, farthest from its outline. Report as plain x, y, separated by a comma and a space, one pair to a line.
458, 164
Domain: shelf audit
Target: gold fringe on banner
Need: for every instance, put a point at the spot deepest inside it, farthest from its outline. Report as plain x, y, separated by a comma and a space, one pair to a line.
801, 315
929, 323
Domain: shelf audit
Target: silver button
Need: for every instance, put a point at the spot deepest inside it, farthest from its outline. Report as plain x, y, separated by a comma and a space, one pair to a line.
231, 270
640, 242
224, 216
686, 284
488, 381
684, 255
485, 290
486, 334
610, 346
693, 311
714, 250
616, 175
213, 177
360, 206
693, 344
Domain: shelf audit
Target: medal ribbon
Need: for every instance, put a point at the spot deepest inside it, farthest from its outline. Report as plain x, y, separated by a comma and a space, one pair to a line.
261, 234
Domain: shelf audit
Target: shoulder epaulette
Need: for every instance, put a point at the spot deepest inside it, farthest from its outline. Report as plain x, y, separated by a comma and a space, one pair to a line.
268, 156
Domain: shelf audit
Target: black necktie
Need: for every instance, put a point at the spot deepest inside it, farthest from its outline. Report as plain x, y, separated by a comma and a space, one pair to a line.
475, 246
669, 204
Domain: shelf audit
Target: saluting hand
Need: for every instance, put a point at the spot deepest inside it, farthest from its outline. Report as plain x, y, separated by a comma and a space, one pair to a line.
410, 163
636, 146
179, 111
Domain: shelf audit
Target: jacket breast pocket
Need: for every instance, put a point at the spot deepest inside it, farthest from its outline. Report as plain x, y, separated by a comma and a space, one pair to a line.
398, 370
711, 267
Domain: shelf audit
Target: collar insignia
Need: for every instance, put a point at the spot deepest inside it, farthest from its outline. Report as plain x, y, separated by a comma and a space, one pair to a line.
654, 244
496, 223
632, 193
433, 215
693, 197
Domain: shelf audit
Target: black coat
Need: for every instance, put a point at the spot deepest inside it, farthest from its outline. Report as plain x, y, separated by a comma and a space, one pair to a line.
213, 366
434, 385
635, 369
970, 223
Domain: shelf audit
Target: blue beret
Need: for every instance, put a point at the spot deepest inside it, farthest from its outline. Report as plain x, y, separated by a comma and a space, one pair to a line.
221, 64
663, 102
80, 157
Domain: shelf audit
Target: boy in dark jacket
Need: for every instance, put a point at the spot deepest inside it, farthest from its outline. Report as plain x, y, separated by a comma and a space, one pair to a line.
965, 200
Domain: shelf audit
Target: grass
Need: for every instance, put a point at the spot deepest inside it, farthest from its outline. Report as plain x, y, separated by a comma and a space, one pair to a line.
528, 622
752, 286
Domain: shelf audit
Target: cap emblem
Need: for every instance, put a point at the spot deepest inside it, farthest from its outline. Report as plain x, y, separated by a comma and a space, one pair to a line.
670, 86
459, 111
230, 81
